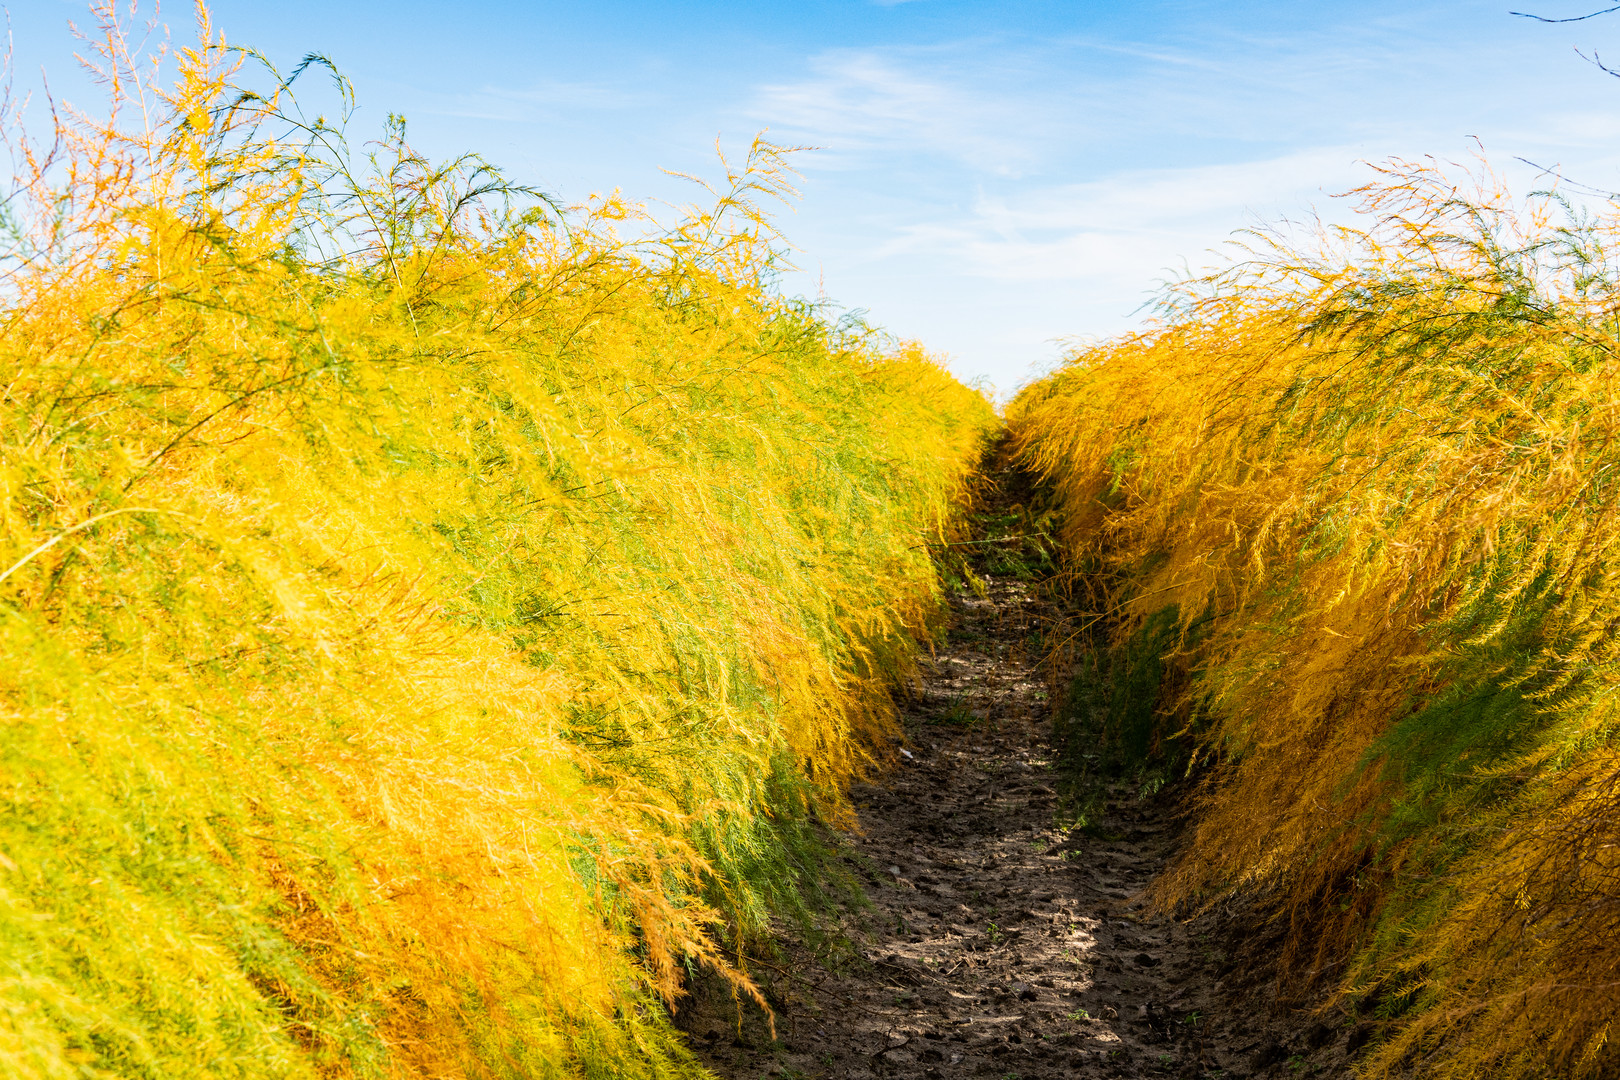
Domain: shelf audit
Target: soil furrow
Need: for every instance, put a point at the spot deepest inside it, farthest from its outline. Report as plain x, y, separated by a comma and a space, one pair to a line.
998, 943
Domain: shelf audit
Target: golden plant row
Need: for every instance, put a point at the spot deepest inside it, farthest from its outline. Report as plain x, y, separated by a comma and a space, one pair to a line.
430, 620
1375, 475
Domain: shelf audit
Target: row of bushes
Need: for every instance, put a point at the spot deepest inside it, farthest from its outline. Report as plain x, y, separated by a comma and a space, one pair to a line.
432, 620
1358, 498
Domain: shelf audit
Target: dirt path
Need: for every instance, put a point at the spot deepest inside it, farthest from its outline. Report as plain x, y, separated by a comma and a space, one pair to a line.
998, 944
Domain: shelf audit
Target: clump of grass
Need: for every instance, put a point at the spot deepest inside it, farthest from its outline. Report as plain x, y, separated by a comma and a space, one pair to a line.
431, 620
961, 712
1370, 480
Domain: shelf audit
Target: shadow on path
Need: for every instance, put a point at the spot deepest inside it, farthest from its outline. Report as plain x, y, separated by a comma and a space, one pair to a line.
998, 944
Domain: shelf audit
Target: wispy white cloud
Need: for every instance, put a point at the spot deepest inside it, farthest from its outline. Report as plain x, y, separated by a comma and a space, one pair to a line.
884, 101
1120, 232
1019, 109
541, 100
994, 196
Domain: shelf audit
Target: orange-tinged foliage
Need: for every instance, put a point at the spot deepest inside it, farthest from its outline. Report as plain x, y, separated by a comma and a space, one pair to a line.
1374, 481
431, 621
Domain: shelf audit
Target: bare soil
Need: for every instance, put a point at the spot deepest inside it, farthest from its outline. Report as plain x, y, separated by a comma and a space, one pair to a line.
999, 943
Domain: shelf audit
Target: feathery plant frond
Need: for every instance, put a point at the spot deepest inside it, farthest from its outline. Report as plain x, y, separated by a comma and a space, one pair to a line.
430, 620
1375, 477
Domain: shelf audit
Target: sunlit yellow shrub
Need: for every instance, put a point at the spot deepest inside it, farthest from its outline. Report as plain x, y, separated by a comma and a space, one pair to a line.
1374, 477
429, 619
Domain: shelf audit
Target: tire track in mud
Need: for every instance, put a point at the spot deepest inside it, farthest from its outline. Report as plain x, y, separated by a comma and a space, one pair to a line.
998, 944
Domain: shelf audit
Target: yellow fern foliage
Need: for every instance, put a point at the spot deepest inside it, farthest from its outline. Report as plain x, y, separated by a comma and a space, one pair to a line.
430, 619
1374, 476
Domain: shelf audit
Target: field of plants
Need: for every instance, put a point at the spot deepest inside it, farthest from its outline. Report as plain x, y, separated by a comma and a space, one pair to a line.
437, 623
434, 620
1353, 504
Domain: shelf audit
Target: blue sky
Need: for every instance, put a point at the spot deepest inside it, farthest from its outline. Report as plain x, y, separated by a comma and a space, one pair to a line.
993, 177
